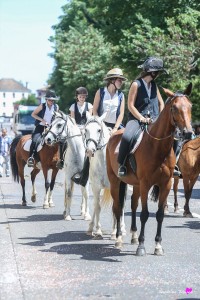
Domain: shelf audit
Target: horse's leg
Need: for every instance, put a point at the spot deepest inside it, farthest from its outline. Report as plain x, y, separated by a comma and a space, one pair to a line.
46, 198
144, 215
134, 204
69, 186
114, 226
52, 183
188, 186
34, 173
97, 209
163, 193
175, 189
85, 210
21, 166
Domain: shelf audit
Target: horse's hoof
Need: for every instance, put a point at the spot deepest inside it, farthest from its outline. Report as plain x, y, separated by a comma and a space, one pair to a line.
87, 218
166, 211
24, 204
159, 251
97, 236
45, 206
33, 198
51, 205
67, 218
89, 233
187, 214
134, 241
124, 233
118, 245
176, 211
113, 236
141, 251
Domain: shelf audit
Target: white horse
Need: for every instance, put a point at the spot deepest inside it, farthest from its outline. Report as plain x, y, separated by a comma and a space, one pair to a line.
64, 128
97, 135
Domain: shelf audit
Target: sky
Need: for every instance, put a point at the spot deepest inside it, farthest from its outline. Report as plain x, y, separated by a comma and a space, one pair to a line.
25, 27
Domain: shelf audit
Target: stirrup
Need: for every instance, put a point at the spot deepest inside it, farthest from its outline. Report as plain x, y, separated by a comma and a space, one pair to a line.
177, 172
30, 162
76, 178
122, 171
60, 164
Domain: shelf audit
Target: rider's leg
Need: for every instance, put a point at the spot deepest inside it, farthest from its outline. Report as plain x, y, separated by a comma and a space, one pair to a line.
177, 148
33, 148
124, 149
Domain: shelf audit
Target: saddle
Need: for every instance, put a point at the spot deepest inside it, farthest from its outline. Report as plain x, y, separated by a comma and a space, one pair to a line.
27, 145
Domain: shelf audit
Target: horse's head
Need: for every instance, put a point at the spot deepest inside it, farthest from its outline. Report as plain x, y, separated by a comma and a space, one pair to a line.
180, 108
57, 131
94, 134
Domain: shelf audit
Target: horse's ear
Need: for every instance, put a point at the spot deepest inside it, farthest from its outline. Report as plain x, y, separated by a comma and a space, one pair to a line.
88, 115
103, 116
168, 92
188, 90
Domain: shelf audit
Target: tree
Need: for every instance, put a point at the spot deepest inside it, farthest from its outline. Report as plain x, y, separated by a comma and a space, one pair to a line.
31, 100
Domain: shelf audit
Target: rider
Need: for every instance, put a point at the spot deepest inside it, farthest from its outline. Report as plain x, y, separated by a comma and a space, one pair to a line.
144, 105
43, 116
111, 99
80, 107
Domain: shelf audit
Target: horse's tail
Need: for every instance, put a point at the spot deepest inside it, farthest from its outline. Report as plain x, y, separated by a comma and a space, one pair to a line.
122, 193
154, 193
106, 199
13, 161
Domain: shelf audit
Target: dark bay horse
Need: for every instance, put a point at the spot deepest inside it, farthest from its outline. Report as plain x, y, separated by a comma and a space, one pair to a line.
48, 158
189, 165
155, 162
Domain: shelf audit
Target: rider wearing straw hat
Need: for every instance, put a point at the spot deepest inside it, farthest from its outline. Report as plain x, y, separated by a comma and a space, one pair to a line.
43, 116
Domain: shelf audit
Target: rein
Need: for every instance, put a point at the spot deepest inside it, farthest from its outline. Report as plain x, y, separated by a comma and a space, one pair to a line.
97, 143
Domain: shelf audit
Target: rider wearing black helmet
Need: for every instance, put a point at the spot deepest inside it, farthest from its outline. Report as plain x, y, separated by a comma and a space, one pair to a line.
144, 105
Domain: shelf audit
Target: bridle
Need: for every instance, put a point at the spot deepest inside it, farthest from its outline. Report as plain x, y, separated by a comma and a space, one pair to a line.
57, 137
98, 142
177, 94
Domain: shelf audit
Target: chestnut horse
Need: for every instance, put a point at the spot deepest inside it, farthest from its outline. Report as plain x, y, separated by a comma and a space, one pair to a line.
189, 165
48, 157
155, 162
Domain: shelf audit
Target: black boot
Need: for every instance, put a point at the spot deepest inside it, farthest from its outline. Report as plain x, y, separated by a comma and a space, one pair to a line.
122, 171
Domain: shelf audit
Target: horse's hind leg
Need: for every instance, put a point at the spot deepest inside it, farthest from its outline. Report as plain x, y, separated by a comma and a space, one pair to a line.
47, 189
51, 187
188, 186
34, 173
175, 189
85, 211
69, 186
22, 181
96, 213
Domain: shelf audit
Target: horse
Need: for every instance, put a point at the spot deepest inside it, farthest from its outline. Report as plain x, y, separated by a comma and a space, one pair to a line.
64, 128
189, 165
48, 157
96, 137
155, 161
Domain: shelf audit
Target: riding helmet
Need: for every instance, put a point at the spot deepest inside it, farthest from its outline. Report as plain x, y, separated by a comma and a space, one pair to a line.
81, 91
153, 64
50, 95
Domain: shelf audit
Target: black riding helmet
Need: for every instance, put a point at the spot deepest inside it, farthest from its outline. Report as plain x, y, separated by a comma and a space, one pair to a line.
81, 91
153, 64
51, 95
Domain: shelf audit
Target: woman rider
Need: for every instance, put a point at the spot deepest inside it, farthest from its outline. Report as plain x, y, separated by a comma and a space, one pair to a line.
144, 105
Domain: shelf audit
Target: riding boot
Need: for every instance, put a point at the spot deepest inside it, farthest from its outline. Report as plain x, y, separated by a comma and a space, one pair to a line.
62, 149
177, 149
82, 177
31, 160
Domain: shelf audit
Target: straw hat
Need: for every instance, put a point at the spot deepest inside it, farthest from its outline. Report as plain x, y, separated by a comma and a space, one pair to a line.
115, 73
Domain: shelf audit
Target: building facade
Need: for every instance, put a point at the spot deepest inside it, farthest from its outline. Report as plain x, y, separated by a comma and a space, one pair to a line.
10, 92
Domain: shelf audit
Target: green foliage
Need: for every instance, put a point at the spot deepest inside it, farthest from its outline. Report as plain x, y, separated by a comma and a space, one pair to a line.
94, 36
31, 100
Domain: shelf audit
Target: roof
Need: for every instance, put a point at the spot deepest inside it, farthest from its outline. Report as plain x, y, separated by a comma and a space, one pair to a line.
11, 85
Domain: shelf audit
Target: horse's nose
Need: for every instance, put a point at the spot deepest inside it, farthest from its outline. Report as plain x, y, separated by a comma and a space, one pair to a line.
49, 141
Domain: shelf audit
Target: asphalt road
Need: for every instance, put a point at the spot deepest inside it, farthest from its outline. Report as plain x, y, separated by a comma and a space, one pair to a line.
44, 257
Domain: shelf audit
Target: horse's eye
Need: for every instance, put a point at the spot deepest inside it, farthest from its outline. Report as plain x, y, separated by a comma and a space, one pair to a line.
99, 130
59, 125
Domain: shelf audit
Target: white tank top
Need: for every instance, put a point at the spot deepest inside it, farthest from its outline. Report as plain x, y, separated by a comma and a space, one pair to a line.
110, 105
48, 114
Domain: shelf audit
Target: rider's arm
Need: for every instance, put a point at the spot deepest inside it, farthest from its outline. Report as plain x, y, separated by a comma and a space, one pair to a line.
35, 114
72, 114
96, 103
121, 114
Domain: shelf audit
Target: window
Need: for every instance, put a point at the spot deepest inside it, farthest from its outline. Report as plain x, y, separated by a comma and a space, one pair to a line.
22, 95
4, 95
13, 95
4, 104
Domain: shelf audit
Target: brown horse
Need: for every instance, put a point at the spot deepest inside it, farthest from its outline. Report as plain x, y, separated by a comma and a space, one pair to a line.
189, 165
48, 157
155, 162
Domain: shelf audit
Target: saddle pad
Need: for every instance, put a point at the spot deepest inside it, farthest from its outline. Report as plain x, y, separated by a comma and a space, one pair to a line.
135, 146
27, 145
